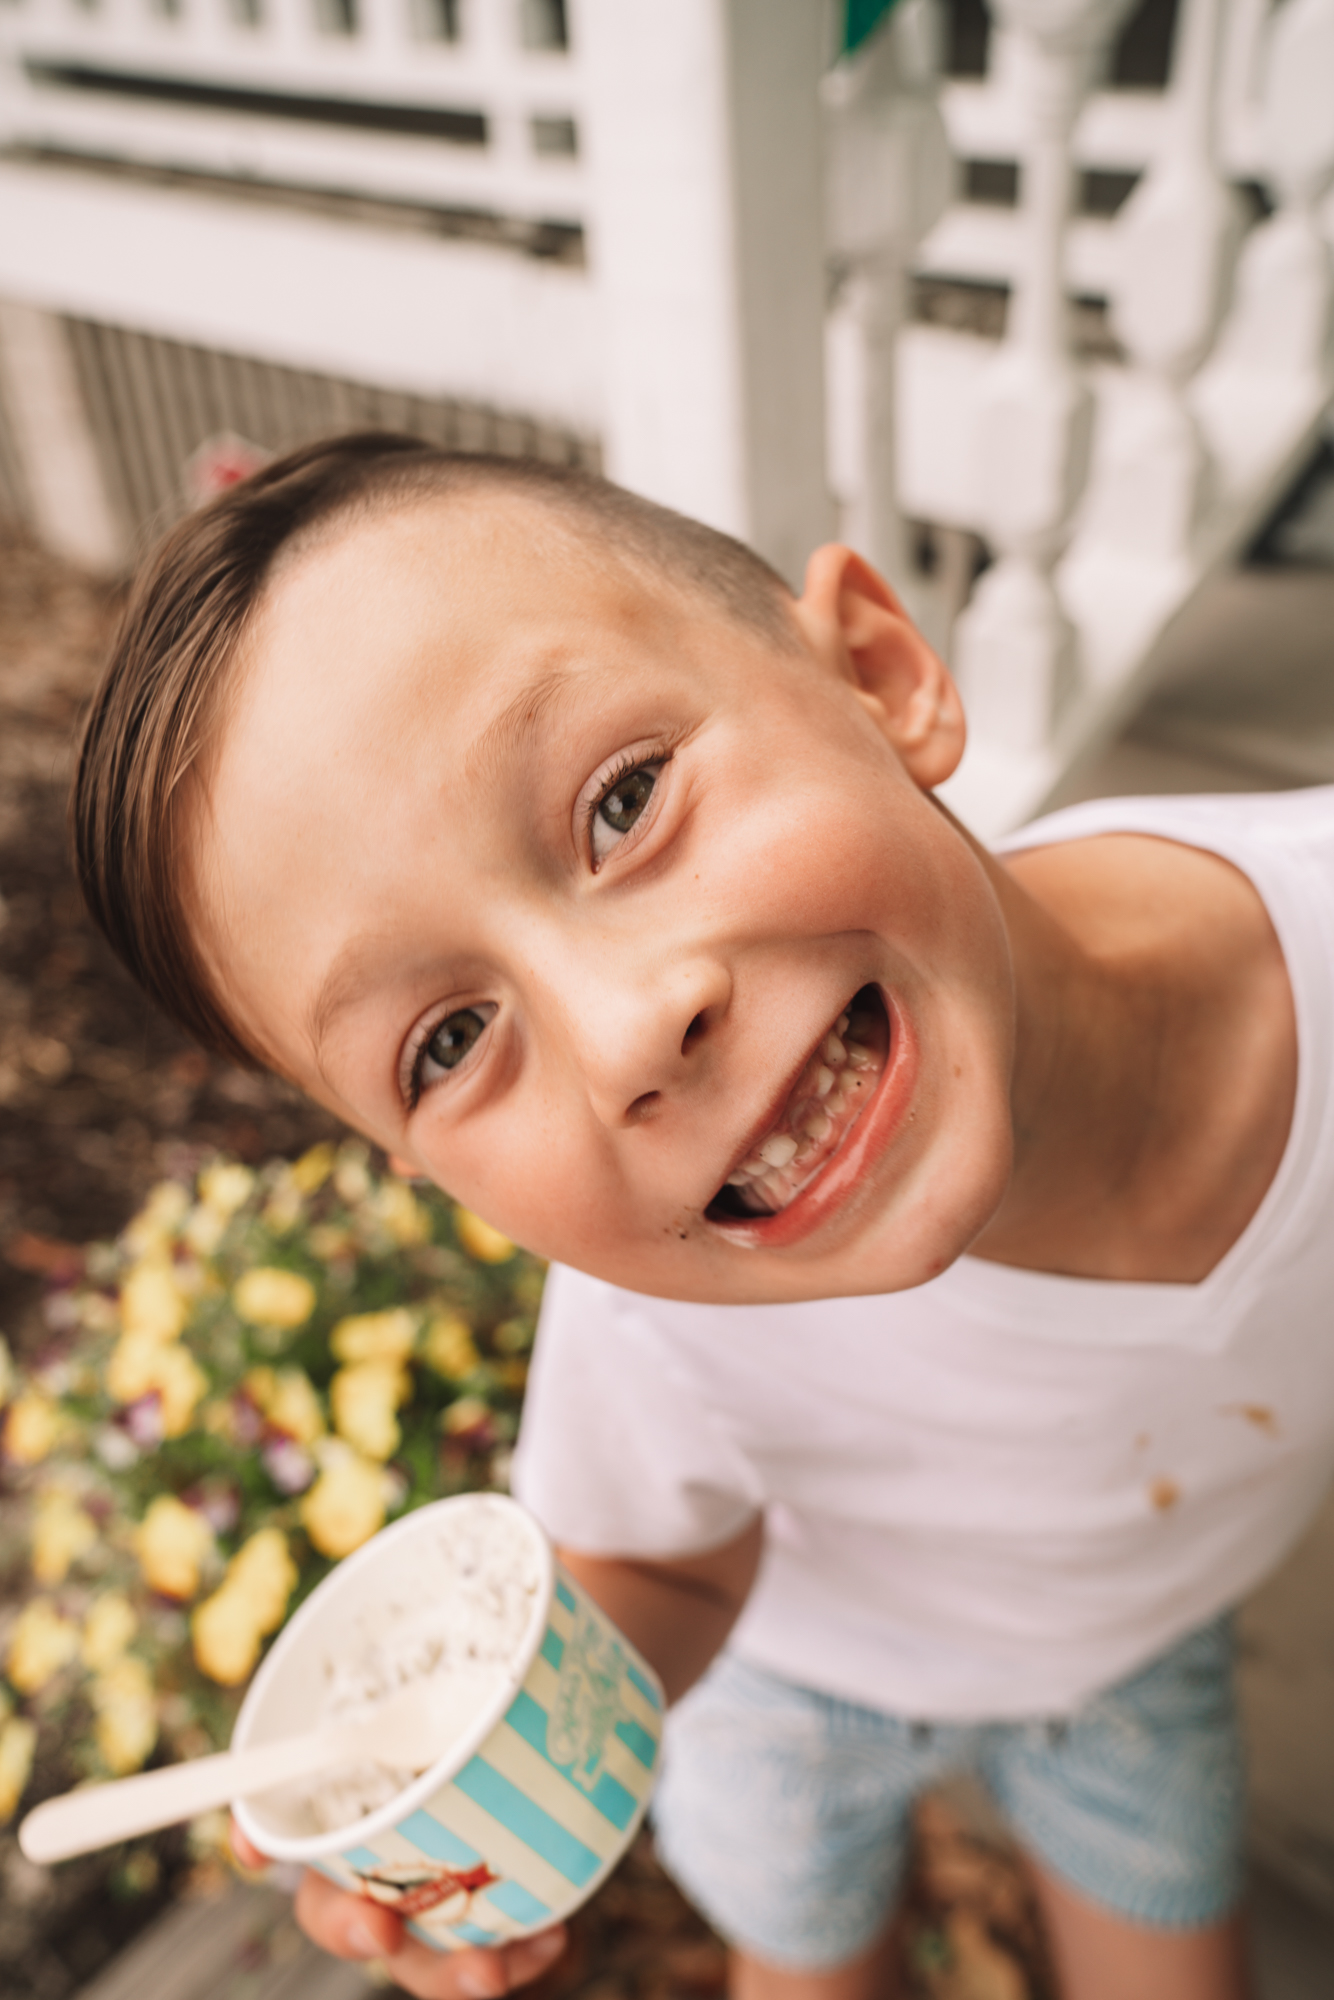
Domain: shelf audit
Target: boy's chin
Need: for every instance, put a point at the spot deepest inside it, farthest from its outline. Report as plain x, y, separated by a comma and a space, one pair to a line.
907, 1241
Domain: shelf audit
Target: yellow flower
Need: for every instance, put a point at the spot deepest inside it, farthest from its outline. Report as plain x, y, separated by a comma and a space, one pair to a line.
130, 1367
513, 1372
363, 1399
294, 1405
172, 1542
61, 1533
97, 1314
150, 1233
382, 1336
126, 1711
449, 1347
400, 1214
479, 1239
42, 1643
351, 1176
152, 1304
203, 1229
107, 1631
313, 1169
225, 1636
345, 1506
18, 1741
139, 1366
225, 1186
180, 1382
270, 1297
329, 1242
282, 1210
469, 1413
265, 1575
32, 1426
251, 1601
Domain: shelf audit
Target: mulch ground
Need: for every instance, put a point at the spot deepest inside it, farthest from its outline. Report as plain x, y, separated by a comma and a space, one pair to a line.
100, 1098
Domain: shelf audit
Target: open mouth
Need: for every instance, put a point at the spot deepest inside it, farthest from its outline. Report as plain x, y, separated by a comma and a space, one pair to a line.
836, 1084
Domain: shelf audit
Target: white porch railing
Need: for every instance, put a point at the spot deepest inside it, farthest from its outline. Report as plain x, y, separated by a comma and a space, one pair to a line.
679, 318
610, 218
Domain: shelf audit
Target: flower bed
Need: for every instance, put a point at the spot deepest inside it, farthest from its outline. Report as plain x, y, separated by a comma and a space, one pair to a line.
262, 1370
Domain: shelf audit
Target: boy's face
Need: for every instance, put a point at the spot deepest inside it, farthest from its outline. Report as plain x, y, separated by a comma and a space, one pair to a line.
558, 883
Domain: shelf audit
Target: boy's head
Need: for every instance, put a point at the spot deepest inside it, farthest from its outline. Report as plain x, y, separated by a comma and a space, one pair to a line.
548, 839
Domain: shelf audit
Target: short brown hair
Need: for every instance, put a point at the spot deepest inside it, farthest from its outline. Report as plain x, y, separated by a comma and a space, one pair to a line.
188, 611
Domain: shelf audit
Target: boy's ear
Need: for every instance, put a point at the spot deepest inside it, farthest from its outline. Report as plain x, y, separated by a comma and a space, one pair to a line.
852, 618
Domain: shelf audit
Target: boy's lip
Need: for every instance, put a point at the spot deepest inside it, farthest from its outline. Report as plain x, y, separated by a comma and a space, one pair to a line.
841, 1174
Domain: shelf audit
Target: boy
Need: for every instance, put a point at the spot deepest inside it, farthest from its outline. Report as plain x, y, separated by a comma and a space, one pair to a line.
945, 1237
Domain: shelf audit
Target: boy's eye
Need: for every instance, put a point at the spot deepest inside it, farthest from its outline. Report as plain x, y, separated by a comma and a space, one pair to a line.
620, 807
451, 1041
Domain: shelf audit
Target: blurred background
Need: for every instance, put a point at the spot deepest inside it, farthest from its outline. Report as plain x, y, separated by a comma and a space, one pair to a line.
1031, 304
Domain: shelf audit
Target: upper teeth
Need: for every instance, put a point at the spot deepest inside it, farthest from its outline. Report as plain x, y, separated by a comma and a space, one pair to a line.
823, 1092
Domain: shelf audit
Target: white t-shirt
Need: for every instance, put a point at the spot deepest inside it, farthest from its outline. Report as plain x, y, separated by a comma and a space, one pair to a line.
994, 1494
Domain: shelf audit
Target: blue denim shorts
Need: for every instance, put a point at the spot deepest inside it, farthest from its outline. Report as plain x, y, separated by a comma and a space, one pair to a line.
784, 1813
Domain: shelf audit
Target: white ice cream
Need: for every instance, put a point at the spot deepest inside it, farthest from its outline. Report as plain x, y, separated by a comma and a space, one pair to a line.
461, 1626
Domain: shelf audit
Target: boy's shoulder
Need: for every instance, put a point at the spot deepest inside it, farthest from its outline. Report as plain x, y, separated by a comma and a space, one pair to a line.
1232, 824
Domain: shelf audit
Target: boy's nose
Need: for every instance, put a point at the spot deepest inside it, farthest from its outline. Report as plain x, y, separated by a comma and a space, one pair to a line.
644, 1039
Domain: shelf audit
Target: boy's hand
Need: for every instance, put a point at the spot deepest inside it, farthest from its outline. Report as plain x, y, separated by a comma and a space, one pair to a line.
351, 1927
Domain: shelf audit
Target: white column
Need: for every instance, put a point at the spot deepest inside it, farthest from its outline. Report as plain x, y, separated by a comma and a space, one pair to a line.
1178, 237
891, 176
1278, 337
1014, 647
50, 427
706, 241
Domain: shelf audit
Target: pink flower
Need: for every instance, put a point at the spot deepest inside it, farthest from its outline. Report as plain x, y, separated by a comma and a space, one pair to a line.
289, 1467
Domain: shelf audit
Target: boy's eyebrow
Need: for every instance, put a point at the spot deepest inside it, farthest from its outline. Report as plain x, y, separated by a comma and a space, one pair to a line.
340, 985
516, 725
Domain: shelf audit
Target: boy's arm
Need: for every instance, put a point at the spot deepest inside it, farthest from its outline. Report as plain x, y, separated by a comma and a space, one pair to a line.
678, 1614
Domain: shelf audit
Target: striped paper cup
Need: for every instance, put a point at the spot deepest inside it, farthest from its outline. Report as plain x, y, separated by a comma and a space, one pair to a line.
521, 1820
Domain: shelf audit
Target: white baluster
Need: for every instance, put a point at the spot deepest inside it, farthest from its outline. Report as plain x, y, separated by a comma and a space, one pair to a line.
707, 250
890, 177
1014, 646
1178, 238
1279, 335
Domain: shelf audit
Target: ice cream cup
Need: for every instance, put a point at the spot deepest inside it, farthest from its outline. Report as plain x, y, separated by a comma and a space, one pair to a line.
526, 1814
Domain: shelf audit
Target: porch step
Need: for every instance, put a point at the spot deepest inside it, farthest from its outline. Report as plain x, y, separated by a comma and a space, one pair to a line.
241, 1945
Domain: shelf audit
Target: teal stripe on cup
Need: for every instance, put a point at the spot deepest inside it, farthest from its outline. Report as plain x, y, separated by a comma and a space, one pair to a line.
426, 1832
553, 1649
474, 1934
365, 1857
565, 1594
646, 1687
639, 1743
513, 1900
491, 1790
527, 1719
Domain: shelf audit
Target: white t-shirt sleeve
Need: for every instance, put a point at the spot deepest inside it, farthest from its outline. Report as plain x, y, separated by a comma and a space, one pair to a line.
619, 1454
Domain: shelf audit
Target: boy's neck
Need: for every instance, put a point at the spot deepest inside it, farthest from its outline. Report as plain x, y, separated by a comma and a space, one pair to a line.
1156, 1060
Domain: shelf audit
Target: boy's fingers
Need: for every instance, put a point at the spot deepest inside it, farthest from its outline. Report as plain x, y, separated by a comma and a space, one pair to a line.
348, 1926
473, 1975
245, 1850
351, 1927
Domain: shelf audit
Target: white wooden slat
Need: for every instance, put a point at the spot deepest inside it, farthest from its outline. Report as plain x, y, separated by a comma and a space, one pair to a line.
1117, 129
483, 325
982, 243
